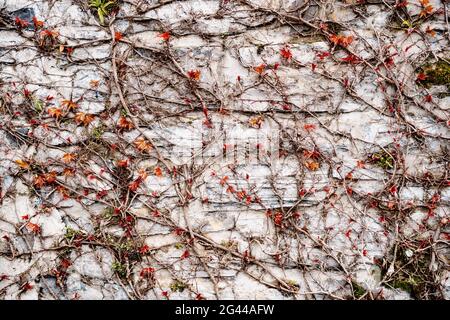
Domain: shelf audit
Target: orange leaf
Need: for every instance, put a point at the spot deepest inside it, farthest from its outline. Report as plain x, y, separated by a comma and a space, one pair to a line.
49, 33
32, 227
39, 181
68, 157
426, 11
260, 69
83, 118
63, 191
23, 164
122, 163
311, 154
430, 31
68, 172
143, 174
69, 104
37, 23
223, 180
341, 40
256, 121
54, 112
312, 165
124, 123
158, 172
50, 177
94, 83
142, 145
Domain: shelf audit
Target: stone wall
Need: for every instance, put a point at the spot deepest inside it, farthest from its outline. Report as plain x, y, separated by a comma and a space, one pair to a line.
233, 149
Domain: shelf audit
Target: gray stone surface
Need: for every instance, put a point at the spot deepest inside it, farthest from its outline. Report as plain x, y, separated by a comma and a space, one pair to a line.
333, 241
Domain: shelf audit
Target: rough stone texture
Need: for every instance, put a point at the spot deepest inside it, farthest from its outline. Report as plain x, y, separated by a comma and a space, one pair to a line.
270, 184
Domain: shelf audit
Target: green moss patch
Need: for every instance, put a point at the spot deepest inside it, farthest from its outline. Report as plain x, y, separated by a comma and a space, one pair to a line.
436, 74
412, 273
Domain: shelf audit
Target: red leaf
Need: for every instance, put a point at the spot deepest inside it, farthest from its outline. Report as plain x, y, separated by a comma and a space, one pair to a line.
351, 58
346, 83
199, 297
185, 254
323, 55
101, 194
165, 36
309, 127
389, 62
144, 249
147, 272
179, 231
436, 198
133, 186
69, 50
207, 123
122, 163
27, 286
393, 189
421, 77
278, 218
117, 36
302, 192
21, 23
194, 74
156, 213
65, 263
286, 53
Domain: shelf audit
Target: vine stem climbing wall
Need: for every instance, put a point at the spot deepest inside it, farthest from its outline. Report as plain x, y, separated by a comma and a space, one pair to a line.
232, 149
